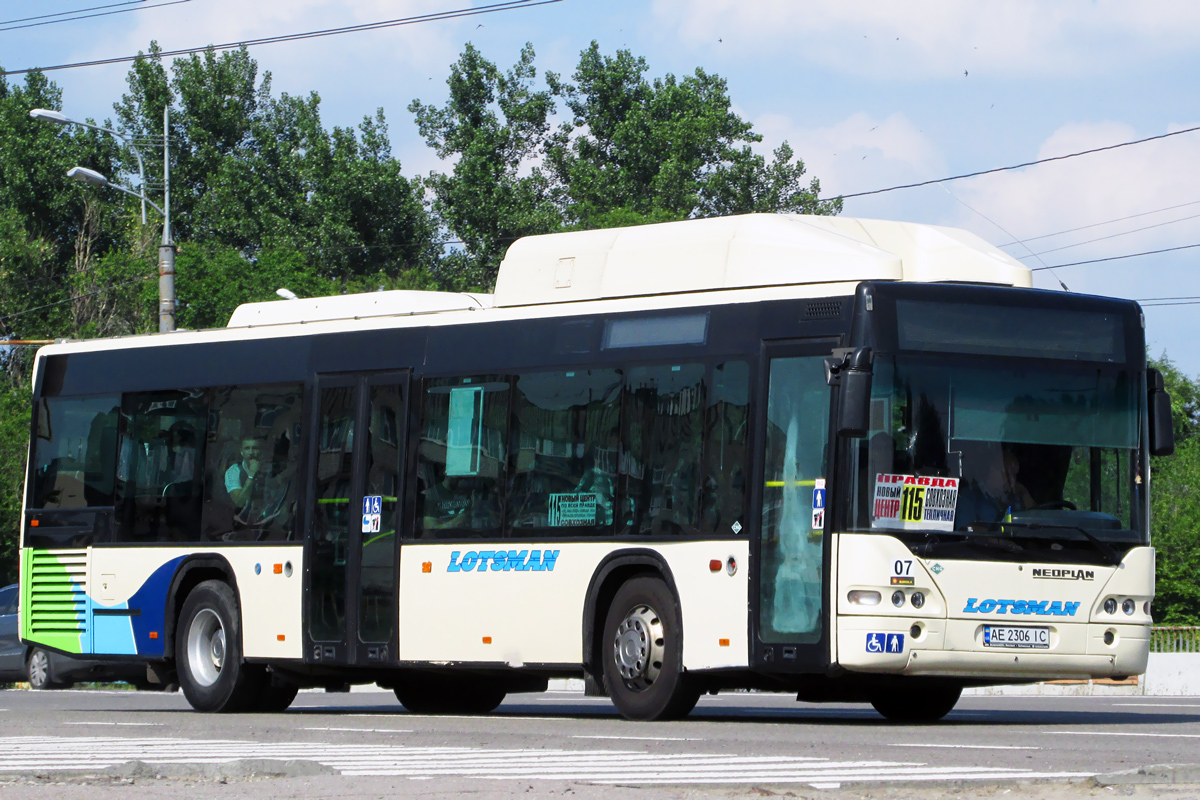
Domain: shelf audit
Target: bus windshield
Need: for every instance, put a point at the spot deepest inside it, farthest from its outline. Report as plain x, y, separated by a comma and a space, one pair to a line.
1028, 461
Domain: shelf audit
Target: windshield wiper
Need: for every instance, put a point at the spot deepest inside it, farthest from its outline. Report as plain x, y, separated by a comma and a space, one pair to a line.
1104, 547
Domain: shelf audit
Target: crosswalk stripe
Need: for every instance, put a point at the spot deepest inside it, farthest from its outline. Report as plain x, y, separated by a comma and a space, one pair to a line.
424, 763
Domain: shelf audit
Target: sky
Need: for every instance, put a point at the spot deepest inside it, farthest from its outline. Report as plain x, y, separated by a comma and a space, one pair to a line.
870, 95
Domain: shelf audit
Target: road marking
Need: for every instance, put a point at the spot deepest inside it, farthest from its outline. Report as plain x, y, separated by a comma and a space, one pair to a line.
129, 724
973, 746
1161, 705
38, 754
362, 730
1126, 733
643, 738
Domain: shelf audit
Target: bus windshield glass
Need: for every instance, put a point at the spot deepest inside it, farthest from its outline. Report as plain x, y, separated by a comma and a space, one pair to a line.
990, 459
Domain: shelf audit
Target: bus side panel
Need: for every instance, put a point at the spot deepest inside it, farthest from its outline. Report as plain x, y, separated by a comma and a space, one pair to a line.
524, 604
714, 603
54, 602
271, 590
128, 595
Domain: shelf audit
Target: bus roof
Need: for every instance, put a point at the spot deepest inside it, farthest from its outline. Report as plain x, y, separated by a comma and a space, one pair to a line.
738, 252
744, 251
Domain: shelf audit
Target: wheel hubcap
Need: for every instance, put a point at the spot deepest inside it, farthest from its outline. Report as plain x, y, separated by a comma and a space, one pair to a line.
638, 648
206, 647
39, 668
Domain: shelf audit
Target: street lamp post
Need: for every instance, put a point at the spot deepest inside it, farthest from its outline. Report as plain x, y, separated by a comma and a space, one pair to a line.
166, 250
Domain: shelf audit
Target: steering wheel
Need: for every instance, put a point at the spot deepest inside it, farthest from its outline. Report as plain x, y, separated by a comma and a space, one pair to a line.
1055, 504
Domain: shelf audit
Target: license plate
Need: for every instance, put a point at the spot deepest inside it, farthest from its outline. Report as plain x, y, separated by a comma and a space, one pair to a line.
1019, 637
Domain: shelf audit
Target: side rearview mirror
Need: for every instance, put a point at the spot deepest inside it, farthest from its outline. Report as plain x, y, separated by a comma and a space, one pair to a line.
1162, 434
852, 372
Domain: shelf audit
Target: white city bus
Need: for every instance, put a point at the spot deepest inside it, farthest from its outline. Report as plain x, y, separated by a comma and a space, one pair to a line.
847, 459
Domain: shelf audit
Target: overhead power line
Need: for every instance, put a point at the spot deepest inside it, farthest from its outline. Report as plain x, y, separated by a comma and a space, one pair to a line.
1014, 166
10, 27
1111, 236
108, 288
1016, 242
69, 13
294, 37
1118, 258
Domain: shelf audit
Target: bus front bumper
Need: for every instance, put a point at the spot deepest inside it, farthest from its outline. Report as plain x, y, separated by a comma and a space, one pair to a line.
956, 648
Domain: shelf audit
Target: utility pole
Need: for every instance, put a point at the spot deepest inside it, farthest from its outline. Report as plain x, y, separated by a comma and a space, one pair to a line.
166, 251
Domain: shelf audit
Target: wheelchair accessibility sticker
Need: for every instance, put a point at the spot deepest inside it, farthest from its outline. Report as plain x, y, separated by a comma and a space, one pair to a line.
372, 514
885, 643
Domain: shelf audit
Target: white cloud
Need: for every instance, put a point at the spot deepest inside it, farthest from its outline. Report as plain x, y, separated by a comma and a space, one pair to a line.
1092, 189
858, 153
922, 38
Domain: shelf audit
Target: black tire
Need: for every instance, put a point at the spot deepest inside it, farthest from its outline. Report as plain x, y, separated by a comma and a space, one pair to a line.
275, 695
918, 704
208, 652
40, 671
448, 694
640, 651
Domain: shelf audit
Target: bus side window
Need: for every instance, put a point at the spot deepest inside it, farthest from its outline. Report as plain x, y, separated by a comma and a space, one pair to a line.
462, 457
663, 428
250, 473
75, 452
162, 450
567, 451
726, 426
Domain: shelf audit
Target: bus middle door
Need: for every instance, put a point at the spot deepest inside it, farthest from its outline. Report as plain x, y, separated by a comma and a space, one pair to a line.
355, 480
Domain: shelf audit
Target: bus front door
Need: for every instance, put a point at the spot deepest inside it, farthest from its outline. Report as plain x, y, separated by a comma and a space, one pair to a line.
792, 548
355, 486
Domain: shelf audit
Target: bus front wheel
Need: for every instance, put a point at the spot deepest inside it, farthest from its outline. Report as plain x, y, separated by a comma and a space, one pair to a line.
208, 652
916, 704
641, 653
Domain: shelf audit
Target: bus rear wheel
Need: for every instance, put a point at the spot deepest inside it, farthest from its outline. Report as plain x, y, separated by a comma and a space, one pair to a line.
442, 694
640, 650
208, 652
916, 704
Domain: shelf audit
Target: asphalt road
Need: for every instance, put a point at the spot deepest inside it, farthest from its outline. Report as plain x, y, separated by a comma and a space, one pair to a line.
146, 744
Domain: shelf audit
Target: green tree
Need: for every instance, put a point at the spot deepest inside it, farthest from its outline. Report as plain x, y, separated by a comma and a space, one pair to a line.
665, 148
1175, 505
259, 173
14, 443
495, 125
634, 151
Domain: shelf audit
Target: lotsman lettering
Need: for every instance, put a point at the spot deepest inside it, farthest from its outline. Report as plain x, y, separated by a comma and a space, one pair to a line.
469, 560
453, 566
484, 557
548, 559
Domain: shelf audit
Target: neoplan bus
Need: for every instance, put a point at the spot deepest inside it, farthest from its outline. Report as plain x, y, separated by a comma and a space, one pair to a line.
847, 459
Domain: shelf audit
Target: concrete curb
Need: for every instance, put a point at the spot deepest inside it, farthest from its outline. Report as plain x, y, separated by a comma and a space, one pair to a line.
1157, 773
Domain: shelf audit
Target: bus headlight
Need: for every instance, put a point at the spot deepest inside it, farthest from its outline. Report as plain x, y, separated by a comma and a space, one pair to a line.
1128, 606
917, 599
1110, 605
897, 598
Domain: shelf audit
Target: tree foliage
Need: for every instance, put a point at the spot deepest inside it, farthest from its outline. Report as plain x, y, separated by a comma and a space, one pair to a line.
1175, 505
632, 151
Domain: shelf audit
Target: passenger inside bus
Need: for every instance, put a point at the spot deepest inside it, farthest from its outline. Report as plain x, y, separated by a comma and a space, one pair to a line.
455, 502
991, 488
